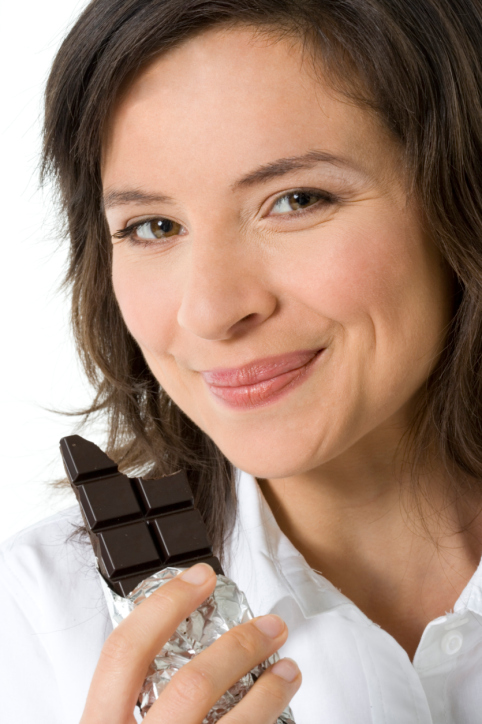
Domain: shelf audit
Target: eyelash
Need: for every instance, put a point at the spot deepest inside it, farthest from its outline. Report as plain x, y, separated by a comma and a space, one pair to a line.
326, 198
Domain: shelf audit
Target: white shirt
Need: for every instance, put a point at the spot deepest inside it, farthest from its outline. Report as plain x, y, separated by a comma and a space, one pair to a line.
54, 621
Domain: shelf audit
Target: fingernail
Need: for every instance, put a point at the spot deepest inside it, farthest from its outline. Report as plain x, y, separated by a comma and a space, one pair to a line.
286, 669
198, 574
271, 625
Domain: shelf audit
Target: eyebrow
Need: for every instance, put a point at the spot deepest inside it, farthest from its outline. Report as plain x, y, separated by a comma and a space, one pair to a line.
262, 174
283, 166
133, 196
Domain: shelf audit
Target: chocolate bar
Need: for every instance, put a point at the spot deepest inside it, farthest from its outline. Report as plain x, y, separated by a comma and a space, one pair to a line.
137, 526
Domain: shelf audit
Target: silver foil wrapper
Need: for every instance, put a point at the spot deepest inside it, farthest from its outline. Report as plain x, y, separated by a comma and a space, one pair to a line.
225, 608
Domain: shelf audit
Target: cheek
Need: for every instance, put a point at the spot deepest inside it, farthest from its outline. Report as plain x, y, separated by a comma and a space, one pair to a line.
147, 299
383, 286
375, 272
344, 276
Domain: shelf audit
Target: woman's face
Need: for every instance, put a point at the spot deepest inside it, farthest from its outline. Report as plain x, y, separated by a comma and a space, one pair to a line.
280, 287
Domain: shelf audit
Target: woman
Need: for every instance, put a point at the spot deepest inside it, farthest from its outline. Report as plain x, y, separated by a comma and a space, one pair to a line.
275, 210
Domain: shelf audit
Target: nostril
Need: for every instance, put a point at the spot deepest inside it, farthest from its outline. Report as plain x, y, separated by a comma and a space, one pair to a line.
247, 321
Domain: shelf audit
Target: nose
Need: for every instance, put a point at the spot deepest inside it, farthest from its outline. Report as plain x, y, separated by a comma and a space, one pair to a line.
223, 292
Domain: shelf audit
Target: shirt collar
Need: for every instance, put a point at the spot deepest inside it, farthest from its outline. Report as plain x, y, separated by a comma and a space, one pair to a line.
266, 565
471, 597
268, 568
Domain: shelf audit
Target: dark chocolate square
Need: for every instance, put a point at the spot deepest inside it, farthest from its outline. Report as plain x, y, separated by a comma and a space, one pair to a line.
181, 535
109, 501
83, 460
170, 493
128, 549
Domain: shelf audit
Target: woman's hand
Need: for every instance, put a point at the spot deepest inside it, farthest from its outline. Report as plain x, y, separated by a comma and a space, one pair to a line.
132, 646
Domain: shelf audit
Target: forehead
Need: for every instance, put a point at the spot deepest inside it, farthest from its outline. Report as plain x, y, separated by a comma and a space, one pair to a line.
238, 97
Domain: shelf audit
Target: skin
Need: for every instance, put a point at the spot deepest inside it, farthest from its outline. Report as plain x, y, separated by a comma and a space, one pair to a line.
243, 279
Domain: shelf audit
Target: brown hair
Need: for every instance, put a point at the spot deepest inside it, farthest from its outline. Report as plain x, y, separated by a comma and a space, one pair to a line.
416, 63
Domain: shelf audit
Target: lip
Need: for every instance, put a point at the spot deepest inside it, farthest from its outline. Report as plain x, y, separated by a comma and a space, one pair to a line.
262, 381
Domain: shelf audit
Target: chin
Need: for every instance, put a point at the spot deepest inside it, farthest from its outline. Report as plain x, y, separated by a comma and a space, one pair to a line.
271, 463
283, 451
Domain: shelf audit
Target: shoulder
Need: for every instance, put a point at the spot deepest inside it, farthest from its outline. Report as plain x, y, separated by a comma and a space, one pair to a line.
44, 552
50, 566
53, 615
41, 535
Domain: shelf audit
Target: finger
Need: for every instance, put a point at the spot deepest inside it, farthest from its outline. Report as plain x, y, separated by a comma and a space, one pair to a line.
197, 686
269, 696
132, 646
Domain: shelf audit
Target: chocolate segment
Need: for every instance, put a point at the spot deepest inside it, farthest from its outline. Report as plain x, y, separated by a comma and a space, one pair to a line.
128, 549
181, 534
169, 493
110, 500
136, 526
83, 460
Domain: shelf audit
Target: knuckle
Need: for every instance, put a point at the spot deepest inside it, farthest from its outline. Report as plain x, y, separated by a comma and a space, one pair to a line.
245, 641
191, 686
270, 698
274, 689
117, 648
170, 591
164, 599
169, 600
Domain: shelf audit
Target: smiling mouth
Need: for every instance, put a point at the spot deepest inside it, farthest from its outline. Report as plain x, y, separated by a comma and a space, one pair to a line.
262, 381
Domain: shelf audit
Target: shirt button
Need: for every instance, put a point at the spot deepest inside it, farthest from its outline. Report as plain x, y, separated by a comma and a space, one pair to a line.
452, 642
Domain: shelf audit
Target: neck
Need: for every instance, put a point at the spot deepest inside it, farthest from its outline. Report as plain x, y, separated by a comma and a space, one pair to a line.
402, 557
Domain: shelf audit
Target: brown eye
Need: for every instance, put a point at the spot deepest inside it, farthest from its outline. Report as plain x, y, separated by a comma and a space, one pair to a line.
157, 229
295, 201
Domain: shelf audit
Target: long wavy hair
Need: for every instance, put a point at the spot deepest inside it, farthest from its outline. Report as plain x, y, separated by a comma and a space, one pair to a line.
415, 63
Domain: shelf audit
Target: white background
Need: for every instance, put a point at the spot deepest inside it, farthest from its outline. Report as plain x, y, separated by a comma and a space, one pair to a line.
39, 369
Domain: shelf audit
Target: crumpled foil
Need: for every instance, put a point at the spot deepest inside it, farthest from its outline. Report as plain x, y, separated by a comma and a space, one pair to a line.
224, 608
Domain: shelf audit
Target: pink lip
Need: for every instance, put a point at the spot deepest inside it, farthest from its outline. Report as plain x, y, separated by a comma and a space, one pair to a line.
261, 381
